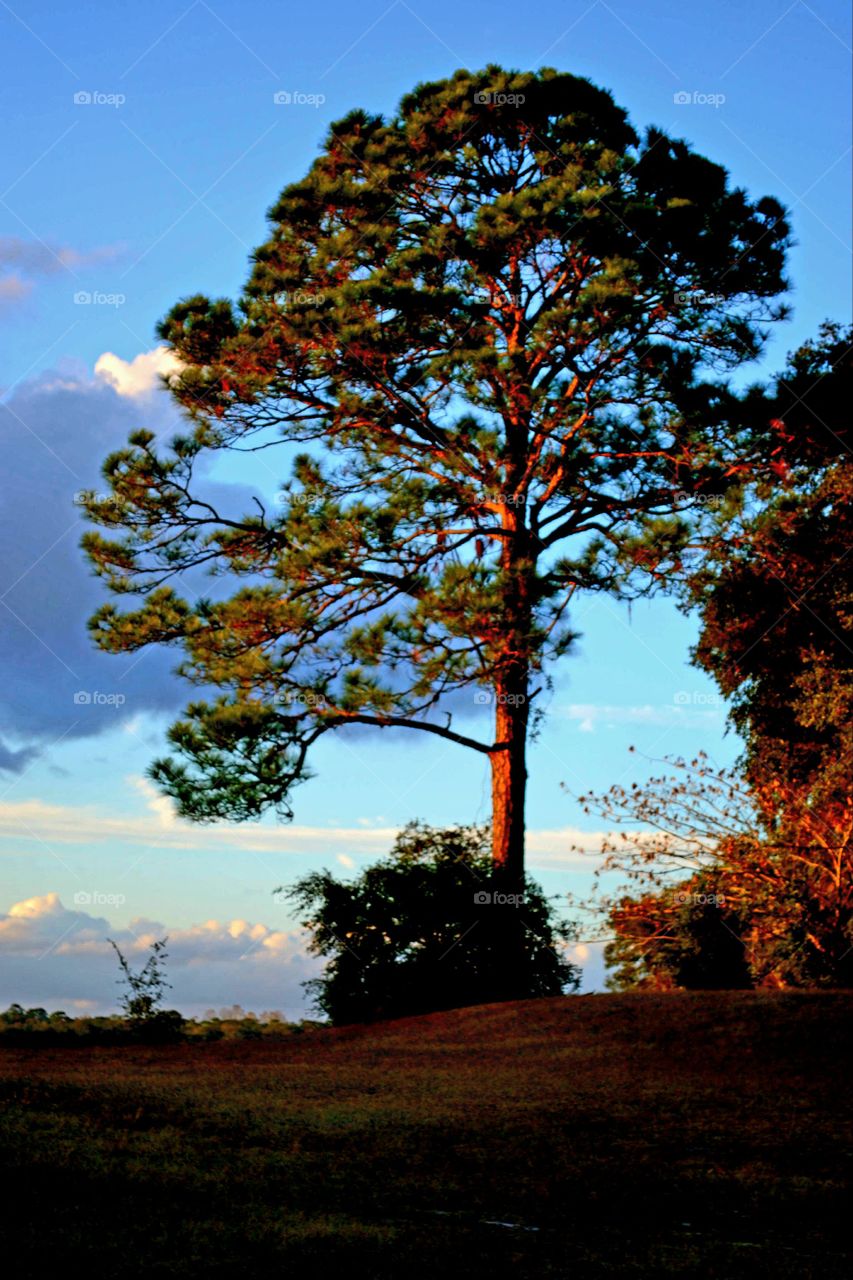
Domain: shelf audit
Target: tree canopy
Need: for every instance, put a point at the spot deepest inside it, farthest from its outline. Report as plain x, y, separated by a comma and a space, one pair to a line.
483, 353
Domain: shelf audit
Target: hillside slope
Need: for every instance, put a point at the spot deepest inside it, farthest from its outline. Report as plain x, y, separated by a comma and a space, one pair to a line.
687, 1135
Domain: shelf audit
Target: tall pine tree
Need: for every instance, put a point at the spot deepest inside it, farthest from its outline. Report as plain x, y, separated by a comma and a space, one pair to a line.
494, 326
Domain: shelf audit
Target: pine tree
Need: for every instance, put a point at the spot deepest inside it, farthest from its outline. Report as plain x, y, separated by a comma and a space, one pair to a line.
495, 328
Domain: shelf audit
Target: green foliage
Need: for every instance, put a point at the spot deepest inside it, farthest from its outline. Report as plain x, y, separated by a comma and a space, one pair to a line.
774, 836
412, 933
776, 591
17, 1016
494, 329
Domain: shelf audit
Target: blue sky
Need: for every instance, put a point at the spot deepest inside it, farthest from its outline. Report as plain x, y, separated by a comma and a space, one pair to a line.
154, 186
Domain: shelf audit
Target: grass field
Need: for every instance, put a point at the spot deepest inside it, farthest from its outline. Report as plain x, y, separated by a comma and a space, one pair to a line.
636, 1135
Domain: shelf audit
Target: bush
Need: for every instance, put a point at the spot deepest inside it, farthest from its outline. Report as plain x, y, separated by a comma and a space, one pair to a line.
409, 935
165, 1026
768, 901
686, 936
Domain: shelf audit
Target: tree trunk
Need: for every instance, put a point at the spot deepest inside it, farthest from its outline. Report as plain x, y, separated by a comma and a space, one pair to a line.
505, 914
509, 769
511, 671
509, 779
511, 694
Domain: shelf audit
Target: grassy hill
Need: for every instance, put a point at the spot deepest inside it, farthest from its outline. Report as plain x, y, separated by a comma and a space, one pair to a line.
684, 1135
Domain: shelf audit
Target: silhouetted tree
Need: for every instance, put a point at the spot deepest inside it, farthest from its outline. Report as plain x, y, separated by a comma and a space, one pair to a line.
146, 990
410, 934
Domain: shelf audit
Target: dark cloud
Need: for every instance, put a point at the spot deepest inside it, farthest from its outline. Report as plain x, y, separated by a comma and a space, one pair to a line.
16, 761
54, 433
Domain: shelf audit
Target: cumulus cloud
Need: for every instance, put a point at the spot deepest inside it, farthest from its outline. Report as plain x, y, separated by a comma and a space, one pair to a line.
37, 924
137, 378
58, 956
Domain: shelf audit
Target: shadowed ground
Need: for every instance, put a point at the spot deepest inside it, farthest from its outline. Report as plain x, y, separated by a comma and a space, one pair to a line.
686, 1135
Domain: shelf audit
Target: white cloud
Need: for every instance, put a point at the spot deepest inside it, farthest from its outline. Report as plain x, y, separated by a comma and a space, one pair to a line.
59, 957
49, 948
86, 824
590, 957
39, 923
591, 715
140, 376
564, 848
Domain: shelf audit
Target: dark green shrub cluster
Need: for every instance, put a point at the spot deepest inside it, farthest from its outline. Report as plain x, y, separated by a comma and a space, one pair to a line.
424, 929
36, 1027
